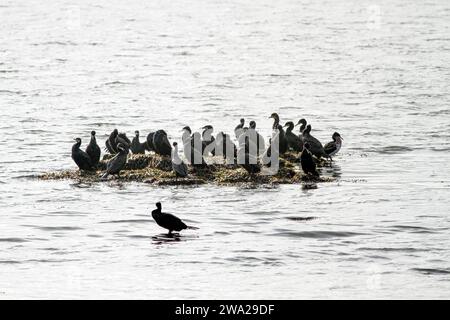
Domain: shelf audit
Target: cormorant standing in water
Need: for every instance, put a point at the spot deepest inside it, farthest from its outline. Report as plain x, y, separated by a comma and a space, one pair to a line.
307, 162
93, 150
239, 128
208, 141
80, 157
117, 163
294, 142
276, 120
161, 143
150, 146
136, 146
333, 147
168, 221
111, 144
178, 166
316, 147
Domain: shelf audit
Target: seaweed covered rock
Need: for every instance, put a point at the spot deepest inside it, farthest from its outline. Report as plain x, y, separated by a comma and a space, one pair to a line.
157, 170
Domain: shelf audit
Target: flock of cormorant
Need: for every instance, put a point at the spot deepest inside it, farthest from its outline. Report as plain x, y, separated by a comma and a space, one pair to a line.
196, 146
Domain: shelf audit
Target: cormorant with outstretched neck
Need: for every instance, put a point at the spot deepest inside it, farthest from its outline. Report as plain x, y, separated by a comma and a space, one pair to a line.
316, 147
333, 147
136, 146
110, 143
239, 128
80, 157
117, 163
307, 162
168, 221
178, 166
208, 141
93, 150
276, 120
293, 141
161, 143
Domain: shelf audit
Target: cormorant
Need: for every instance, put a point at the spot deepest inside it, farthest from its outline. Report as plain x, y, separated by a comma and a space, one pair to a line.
161, 143
302, 122
150, 146
251, 164
283, 143
93, 150
307, 162
239, 128
208, 141
117, 163
168, 221
187, 141
178, 166
110, 143
276, 120
333, 147
80, 157
259, 139
316, 147
123, 139
196, 156
136, 146
225, 147
294, 142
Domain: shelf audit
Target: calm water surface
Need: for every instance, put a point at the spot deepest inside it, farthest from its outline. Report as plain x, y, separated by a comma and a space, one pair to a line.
377, 72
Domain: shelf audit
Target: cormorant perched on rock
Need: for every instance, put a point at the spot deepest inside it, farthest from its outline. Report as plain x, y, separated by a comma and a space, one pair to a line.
93, 150
161, 143
178, 166
259, 139
302, 122
168, 221
225, 147
80, 157
136, 146
251, 164
283, 148
294, 142
307, 162
196, 156
150, 146
333, 147
316, 147
123, 139
111, 144
117, 163
186, 134
276, 120
208, 141
239, 128
187, 142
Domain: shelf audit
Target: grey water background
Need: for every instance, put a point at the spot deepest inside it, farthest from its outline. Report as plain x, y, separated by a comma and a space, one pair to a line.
376, 71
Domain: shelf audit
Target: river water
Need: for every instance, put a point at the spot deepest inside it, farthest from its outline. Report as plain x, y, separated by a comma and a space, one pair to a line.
375, 71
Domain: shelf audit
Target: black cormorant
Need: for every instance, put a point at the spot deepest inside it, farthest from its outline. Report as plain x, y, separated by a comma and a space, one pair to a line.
110, 143
136, 146
93, 150
315, 147
333, 147
294, 142
178, 166
259, 139
196, 156
168, 221
117, 163
150, 146
251, 164
123, 139
307, 162
225, 147
239, 128
283, 143
208, 141
161, 143
302, 122
276, 120
80, 157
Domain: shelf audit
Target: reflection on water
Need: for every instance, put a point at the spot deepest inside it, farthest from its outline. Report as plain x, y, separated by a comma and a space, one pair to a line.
379, 231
